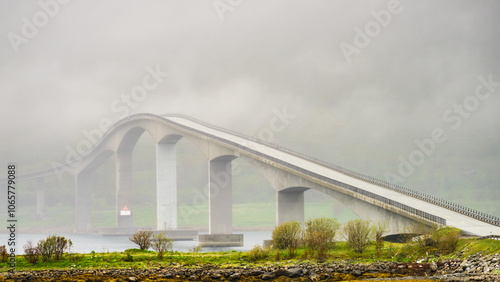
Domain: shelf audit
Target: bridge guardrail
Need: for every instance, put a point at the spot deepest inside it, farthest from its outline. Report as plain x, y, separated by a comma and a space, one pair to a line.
392, 186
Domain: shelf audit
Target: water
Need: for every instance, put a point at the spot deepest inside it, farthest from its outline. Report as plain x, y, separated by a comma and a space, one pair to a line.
86, 243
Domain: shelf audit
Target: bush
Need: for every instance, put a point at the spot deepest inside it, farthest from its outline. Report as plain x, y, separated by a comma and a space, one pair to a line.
62, 244
449, 241
431, 240
53, 246
142, 238
4, 255
320, 234
258, 253
357, 233
161, 244
287, 236
378, 233
47, 247
31, 253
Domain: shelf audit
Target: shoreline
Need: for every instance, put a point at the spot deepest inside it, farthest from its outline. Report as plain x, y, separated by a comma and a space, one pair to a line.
338, 271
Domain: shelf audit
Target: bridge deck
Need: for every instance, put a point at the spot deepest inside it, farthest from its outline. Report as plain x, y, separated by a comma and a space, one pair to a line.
468, 224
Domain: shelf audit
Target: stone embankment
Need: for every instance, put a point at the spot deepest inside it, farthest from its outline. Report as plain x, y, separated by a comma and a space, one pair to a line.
473, 268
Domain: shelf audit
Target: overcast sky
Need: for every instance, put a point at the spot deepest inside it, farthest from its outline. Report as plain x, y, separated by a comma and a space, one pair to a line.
364, 79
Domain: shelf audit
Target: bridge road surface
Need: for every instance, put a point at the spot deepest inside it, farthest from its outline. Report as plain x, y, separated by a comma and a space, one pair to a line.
463, 222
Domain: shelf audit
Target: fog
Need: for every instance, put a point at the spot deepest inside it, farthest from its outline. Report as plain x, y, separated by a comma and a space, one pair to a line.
364, 88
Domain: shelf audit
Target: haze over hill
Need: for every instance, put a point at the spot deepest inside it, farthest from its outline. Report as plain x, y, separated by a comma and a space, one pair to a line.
400, 90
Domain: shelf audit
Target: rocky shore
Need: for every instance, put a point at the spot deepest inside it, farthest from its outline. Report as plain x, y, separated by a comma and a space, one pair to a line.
473, 268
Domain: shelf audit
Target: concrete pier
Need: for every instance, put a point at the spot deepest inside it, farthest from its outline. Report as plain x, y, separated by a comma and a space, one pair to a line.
83, 221
290, 205
220, 240
124, 193
220, 190
166, 184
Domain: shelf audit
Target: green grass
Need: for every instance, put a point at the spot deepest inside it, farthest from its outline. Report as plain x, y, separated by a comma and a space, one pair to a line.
135, 258
471, 246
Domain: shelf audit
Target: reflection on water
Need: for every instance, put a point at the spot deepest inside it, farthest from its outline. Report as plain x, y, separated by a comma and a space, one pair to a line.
86, 243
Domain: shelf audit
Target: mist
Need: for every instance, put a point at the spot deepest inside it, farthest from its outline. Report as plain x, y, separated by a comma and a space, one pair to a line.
236, 65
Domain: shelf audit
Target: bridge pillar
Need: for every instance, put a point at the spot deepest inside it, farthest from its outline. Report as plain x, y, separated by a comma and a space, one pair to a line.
124, 193
290, 205
40, 196
220, 196
83, 219
166, 186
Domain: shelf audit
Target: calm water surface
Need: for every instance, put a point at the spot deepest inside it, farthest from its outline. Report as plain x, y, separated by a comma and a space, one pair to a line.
86, 243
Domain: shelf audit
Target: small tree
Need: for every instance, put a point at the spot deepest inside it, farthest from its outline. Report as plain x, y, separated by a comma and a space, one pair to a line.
31, 253
320, 234
4, 256
160, 243
142, 238
62, 244
357, 233
379, 230
47, 247
287, 236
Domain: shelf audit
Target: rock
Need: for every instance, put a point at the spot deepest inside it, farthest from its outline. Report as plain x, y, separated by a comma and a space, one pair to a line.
132, 278
357, 272
268, 276
193, 278
256, 272
279, 272
314, 277
235, 276
433, 266
294, 272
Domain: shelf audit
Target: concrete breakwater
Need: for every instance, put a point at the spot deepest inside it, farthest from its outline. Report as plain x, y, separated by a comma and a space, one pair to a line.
474, 268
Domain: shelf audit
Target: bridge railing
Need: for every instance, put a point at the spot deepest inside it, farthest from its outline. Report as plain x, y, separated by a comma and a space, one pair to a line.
392, 186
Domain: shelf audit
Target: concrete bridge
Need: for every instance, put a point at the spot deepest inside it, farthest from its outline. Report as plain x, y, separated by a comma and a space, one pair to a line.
289, 173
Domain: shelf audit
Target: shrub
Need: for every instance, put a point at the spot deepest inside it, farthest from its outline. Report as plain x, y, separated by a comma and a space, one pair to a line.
357, 233
287, 236
47, 247
4, 255
320, 234
446, 239
31, 253
161, 244
379, 230
258, 253
142, 238
196, 249
62, 244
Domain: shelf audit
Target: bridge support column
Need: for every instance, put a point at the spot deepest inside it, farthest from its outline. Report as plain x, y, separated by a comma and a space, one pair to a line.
221, 198
166, 186
40, 196
290, 205
83, 219
124, 193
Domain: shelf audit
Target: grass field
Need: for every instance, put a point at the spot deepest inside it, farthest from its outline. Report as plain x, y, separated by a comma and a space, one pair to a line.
146, 259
